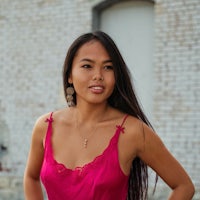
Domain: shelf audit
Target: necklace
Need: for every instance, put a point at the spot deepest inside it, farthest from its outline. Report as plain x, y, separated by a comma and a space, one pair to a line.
86, 139
85, 142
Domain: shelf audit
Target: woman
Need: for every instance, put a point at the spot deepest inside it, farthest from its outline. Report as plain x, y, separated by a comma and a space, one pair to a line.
98, 147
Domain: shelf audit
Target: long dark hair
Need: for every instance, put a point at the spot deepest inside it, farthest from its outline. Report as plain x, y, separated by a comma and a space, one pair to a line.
123, 98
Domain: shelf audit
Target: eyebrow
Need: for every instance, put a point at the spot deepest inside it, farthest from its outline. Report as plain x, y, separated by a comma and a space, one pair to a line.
92, 61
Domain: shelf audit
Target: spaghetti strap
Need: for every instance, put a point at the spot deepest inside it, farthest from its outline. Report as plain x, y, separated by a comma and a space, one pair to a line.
50, 119
48, 132
124, 120
120, 127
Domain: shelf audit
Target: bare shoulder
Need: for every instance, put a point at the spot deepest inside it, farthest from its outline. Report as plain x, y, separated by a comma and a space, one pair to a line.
136, 132
40, 123
63, 116
40, 127
134, 127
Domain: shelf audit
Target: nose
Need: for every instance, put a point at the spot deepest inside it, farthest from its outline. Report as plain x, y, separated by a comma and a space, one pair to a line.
98, 76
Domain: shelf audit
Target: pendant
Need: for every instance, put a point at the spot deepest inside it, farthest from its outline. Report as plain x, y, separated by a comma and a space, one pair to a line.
85, 142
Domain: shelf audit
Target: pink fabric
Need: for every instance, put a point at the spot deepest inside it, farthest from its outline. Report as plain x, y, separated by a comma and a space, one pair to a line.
101, 179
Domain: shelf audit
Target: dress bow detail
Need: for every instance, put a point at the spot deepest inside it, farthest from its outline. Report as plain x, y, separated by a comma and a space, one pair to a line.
120, 128
49, 120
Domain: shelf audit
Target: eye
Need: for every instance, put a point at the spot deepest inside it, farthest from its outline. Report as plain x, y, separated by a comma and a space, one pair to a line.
108, 67
86, 66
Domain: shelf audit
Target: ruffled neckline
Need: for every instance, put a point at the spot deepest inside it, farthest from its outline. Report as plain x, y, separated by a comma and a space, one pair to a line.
61, 168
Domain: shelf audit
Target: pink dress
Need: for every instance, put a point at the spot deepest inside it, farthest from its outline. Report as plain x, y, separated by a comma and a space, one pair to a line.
101, 179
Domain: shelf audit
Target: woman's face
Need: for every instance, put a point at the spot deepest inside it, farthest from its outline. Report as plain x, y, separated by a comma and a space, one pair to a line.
92, 73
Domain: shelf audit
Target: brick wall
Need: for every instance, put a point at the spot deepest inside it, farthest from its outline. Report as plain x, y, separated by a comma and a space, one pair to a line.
177, 72
34, 37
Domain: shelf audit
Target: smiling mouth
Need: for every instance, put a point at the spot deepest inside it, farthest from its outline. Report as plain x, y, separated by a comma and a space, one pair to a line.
96, 89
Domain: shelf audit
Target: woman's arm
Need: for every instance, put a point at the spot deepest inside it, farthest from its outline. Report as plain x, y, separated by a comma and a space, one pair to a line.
32, 185
155, 154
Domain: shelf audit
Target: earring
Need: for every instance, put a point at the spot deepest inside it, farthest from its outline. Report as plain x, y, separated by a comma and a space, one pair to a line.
70, 98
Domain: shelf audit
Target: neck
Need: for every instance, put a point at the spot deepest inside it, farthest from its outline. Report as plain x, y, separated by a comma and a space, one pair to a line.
91, 113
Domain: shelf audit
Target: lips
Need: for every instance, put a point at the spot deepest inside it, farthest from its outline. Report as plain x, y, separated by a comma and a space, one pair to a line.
96, 89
